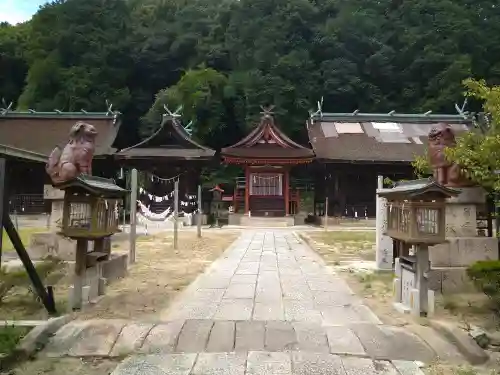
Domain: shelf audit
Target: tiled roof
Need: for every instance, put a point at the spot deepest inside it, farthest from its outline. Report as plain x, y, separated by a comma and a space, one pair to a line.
377, 138
40, 132
267, 141
94, 185
170, 141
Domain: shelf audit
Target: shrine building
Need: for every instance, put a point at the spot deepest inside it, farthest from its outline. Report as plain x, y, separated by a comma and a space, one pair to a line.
28, 137
267, 156
352, 149
169, 153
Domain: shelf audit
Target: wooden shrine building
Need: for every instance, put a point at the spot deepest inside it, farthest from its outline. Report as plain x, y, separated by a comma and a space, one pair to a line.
267, 156
169, 152
352, 149
28, 137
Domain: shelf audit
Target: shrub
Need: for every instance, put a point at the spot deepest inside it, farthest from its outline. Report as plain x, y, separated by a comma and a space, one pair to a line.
486, 277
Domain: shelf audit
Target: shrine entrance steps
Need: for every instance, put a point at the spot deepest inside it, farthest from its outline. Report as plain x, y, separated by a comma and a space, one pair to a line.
267, 222
268, 305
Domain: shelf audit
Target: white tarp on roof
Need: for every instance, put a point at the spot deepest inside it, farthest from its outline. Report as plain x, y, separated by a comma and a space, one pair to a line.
349, 128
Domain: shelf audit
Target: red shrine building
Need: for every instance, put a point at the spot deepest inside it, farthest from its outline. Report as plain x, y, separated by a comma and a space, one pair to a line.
267, 156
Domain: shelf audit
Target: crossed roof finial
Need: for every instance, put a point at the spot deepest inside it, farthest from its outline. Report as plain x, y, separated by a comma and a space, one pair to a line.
267, 111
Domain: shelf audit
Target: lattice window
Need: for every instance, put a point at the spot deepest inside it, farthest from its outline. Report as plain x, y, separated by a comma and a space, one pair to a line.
266, 184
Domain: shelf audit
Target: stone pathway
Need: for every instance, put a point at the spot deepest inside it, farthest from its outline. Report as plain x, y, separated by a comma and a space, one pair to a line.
269, 305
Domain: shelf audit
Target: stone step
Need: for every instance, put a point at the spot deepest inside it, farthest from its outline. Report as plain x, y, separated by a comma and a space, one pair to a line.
113, 338
267, 222
259, 362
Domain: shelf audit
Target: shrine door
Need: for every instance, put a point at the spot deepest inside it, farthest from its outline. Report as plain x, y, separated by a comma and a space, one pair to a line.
266, 194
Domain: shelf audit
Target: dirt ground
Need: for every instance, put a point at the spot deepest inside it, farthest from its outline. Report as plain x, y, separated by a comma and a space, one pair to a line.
159, 274
376, 290
65, 366
376, 287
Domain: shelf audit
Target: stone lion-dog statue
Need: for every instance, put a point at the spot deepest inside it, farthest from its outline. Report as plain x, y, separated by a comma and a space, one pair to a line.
445, 172
76, 157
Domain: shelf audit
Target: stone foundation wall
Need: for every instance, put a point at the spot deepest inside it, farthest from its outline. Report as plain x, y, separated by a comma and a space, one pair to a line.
449, 261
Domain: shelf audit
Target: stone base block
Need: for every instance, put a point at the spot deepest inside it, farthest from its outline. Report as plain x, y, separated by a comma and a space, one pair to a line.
431, 303
403, 309
449, 280
300, 219
469, 195
234, 219
92, 279
415, 302
115, 267
396, 289
461, 220
51, 244
463, 251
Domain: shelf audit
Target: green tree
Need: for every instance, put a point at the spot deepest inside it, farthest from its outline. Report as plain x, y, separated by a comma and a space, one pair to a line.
13, 65
478, 152
78, 55
201, 93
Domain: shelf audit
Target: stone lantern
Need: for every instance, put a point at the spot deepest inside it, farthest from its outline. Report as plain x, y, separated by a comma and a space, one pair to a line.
90, 209
416, 216
216, 200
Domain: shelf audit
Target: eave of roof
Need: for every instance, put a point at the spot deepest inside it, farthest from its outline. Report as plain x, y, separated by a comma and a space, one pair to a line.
22, 154
58, 114
172, 122
394, 117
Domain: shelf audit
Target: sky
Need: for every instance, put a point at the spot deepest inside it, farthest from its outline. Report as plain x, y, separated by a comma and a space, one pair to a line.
15, 11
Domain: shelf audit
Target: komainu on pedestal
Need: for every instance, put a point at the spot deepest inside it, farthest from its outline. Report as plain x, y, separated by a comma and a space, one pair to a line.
76, 157
445, 172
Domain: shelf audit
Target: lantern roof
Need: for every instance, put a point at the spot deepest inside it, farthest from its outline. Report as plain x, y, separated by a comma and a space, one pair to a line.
93, 185
418, 189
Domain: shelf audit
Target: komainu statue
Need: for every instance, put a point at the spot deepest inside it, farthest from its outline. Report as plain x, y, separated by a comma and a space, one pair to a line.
76, 157
445, 172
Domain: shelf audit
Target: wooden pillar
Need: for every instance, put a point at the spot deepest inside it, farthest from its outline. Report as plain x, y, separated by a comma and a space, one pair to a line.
287, 191
247, 189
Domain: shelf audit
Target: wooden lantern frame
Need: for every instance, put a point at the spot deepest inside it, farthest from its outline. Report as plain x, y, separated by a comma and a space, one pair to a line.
416, 211
99, 214
97, 199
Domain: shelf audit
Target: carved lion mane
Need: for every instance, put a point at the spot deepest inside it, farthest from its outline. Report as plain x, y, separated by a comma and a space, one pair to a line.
76, 157
445, 172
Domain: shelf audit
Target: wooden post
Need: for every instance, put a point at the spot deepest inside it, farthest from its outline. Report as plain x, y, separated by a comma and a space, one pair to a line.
176, 214
198, 223
133, 216
79, 275
287, 192
326, 213
247, 190
2, 201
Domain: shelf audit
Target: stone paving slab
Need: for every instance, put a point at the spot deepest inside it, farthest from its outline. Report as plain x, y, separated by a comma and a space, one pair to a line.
270, 275
261, 363
115, 338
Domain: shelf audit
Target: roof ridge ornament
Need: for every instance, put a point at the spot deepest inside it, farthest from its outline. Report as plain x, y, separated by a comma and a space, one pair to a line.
175, 114
461, 111
188, 128
5, 108
267, 111
319, 111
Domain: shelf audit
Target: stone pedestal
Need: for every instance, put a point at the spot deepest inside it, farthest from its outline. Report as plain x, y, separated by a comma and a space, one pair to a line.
449, 261
384, 244
56, 197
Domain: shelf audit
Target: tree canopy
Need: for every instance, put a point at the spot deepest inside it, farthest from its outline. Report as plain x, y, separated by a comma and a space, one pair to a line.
222, 59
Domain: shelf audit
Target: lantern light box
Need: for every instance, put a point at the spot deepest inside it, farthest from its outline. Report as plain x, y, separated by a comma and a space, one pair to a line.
416, 211
90, 207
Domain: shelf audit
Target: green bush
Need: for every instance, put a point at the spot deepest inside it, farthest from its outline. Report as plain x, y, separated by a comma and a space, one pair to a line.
486, 277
